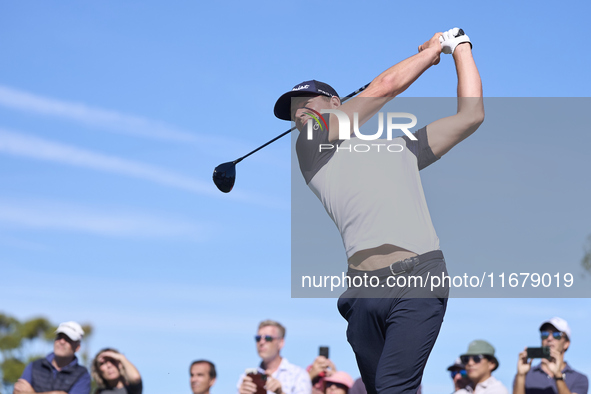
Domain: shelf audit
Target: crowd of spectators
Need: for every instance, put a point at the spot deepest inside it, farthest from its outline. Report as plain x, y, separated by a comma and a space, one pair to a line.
60, 373
471, 373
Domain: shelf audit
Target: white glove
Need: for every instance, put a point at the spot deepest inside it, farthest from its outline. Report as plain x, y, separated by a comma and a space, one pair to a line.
451, 39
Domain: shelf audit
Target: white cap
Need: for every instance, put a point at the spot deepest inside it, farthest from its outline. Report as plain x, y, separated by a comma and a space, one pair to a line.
559, 324
71, 329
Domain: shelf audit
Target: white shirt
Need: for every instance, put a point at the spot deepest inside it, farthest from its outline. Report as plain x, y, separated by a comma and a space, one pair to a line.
293, 379
490, 386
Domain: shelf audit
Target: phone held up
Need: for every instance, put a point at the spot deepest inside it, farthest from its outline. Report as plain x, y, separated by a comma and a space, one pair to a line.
538, 352
259, 379
323, 351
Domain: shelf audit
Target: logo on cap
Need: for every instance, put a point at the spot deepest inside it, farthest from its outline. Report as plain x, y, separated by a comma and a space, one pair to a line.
316, 116
300, 87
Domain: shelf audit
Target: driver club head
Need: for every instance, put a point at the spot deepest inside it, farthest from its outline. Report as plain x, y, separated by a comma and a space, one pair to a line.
224, 176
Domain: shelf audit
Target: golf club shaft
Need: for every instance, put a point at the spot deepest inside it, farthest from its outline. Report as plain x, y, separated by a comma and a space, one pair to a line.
361, 89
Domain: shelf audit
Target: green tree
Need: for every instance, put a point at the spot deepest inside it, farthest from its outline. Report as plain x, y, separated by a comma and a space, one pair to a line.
22, 342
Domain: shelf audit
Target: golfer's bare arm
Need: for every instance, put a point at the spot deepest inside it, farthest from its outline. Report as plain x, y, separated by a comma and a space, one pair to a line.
400, 76
388, 85
444, 134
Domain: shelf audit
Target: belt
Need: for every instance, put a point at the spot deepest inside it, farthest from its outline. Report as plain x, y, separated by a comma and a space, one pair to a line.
403, 266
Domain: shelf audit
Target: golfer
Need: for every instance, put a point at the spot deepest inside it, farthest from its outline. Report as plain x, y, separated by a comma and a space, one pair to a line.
377, 203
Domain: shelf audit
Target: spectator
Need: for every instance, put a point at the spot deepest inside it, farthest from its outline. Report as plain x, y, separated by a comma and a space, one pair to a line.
282, 377
480, 362
358, 387
115, 374
552, 375
338, 383
203, 376
59, 372
318, 370
460, 378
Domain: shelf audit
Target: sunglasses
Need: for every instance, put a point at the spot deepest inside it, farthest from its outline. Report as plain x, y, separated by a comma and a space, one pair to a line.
63, 336
478, 358
555, 334
462, 372
267, 338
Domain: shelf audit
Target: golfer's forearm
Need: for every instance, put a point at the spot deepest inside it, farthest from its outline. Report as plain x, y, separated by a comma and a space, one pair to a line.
400, 76
470, 103
469, 83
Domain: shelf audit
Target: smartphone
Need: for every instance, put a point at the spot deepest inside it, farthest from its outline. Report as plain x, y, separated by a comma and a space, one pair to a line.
260, 379
323, 351
538, 352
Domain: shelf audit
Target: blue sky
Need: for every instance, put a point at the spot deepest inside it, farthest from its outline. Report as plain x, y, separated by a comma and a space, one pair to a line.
114, 114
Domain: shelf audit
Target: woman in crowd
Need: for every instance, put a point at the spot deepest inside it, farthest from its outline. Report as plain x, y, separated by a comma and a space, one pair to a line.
115, 374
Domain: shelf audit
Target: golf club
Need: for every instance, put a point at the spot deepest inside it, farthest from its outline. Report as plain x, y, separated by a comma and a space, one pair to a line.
224, 175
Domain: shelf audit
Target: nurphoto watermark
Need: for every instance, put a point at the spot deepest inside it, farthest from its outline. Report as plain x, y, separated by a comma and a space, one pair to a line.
317, 123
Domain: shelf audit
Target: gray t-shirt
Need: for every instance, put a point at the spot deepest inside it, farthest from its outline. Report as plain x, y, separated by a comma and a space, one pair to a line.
374, 197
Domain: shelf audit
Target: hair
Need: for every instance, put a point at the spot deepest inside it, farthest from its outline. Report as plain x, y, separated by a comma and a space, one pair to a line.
96, 373
273, 323
212, 373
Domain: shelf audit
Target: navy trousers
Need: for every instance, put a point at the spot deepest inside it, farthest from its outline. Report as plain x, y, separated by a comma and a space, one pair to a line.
392, 334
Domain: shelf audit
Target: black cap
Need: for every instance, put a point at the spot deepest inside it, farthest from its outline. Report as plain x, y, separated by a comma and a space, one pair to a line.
306, 88
456, 365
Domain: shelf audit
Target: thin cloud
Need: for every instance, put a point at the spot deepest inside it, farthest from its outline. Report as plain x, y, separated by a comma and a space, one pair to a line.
28, 102
106, 119
66, 217
36, 148
23, 145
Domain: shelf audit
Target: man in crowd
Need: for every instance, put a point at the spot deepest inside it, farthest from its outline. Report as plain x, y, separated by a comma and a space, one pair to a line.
203, 376
281, 376
59, 372
460, 378
552, 374
480, 362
